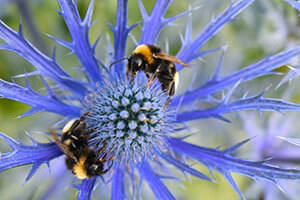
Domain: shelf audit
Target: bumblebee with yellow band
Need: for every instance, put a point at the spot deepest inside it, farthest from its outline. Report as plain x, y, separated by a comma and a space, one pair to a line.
80, 158
153, 61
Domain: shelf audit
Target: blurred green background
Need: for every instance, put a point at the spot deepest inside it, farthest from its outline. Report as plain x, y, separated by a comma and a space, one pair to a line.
249, 38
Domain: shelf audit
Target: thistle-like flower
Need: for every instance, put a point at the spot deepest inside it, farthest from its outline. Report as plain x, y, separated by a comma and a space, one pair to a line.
139, 127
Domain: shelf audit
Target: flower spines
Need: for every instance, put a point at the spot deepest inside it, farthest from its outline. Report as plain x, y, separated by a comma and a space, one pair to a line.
185, 168
48, 67
79, 30
292, 74
130, 118
225, 163
117, 188
156, 21
154, 181
256, 102
36, 154
189, 49
260, 68
38, 102
153, 23
86, 188
120, 31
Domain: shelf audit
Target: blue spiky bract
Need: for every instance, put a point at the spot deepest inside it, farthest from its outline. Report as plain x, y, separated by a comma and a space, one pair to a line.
134, 120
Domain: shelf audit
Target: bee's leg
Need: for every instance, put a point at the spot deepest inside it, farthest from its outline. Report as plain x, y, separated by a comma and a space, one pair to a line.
155, 75
109, 167
109, 159
171, 90
148, 76
79, 124
104, 158
83, 117
168, 102
91, 130
132, 77
150, 80
127, 74
101, 150
63, 147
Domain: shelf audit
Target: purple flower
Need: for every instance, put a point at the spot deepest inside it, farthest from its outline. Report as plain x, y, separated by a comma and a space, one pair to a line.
140, 131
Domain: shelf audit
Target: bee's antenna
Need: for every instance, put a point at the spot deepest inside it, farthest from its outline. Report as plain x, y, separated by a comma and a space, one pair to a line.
125, 58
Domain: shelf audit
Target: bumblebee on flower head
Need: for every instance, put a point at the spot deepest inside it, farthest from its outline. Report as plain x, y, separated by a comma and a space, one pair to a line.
80, 158
153, 61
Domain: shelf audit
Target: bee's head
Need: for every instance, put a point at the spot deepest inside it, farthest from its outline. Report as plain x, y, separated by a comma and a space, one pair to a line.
136, 62
94, 167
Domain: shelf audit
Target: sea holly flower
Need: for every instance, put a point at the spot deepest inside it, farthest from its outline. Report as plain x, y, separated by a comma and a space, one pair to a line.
144, 133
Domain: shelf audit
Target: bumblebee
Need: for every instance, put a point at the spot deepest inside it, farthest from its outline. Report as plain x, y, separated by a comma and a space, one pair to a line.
153, 61
80, 158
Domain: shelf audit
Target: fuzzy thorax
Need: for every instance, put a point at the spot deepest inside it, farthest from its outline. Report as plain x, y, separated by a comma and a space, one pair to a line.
145, 51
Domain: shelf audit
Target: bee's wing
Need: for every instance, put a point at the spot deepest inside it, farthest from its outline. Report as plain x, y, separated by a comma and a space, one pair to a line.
63, 147
170, 58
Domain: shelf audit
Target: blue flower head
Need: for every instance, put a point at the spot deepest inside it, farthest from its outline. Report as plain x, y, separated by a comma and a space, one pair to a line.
131, 118
140, 128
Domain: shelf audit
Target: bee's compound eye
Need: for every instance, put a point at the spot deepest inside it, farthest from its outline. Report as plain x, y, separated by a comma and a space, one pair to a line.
138, 62
94, 166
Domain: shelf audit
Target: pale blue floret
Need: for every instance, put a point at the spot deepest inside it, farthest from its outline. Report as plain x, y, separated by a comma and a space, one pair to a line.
125, 101
139, 96
120, 125
124, 114
132, 125
144, 128
147, 105
132, 135
132, 119
135, 107
115, 104
142, 117
113, 116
